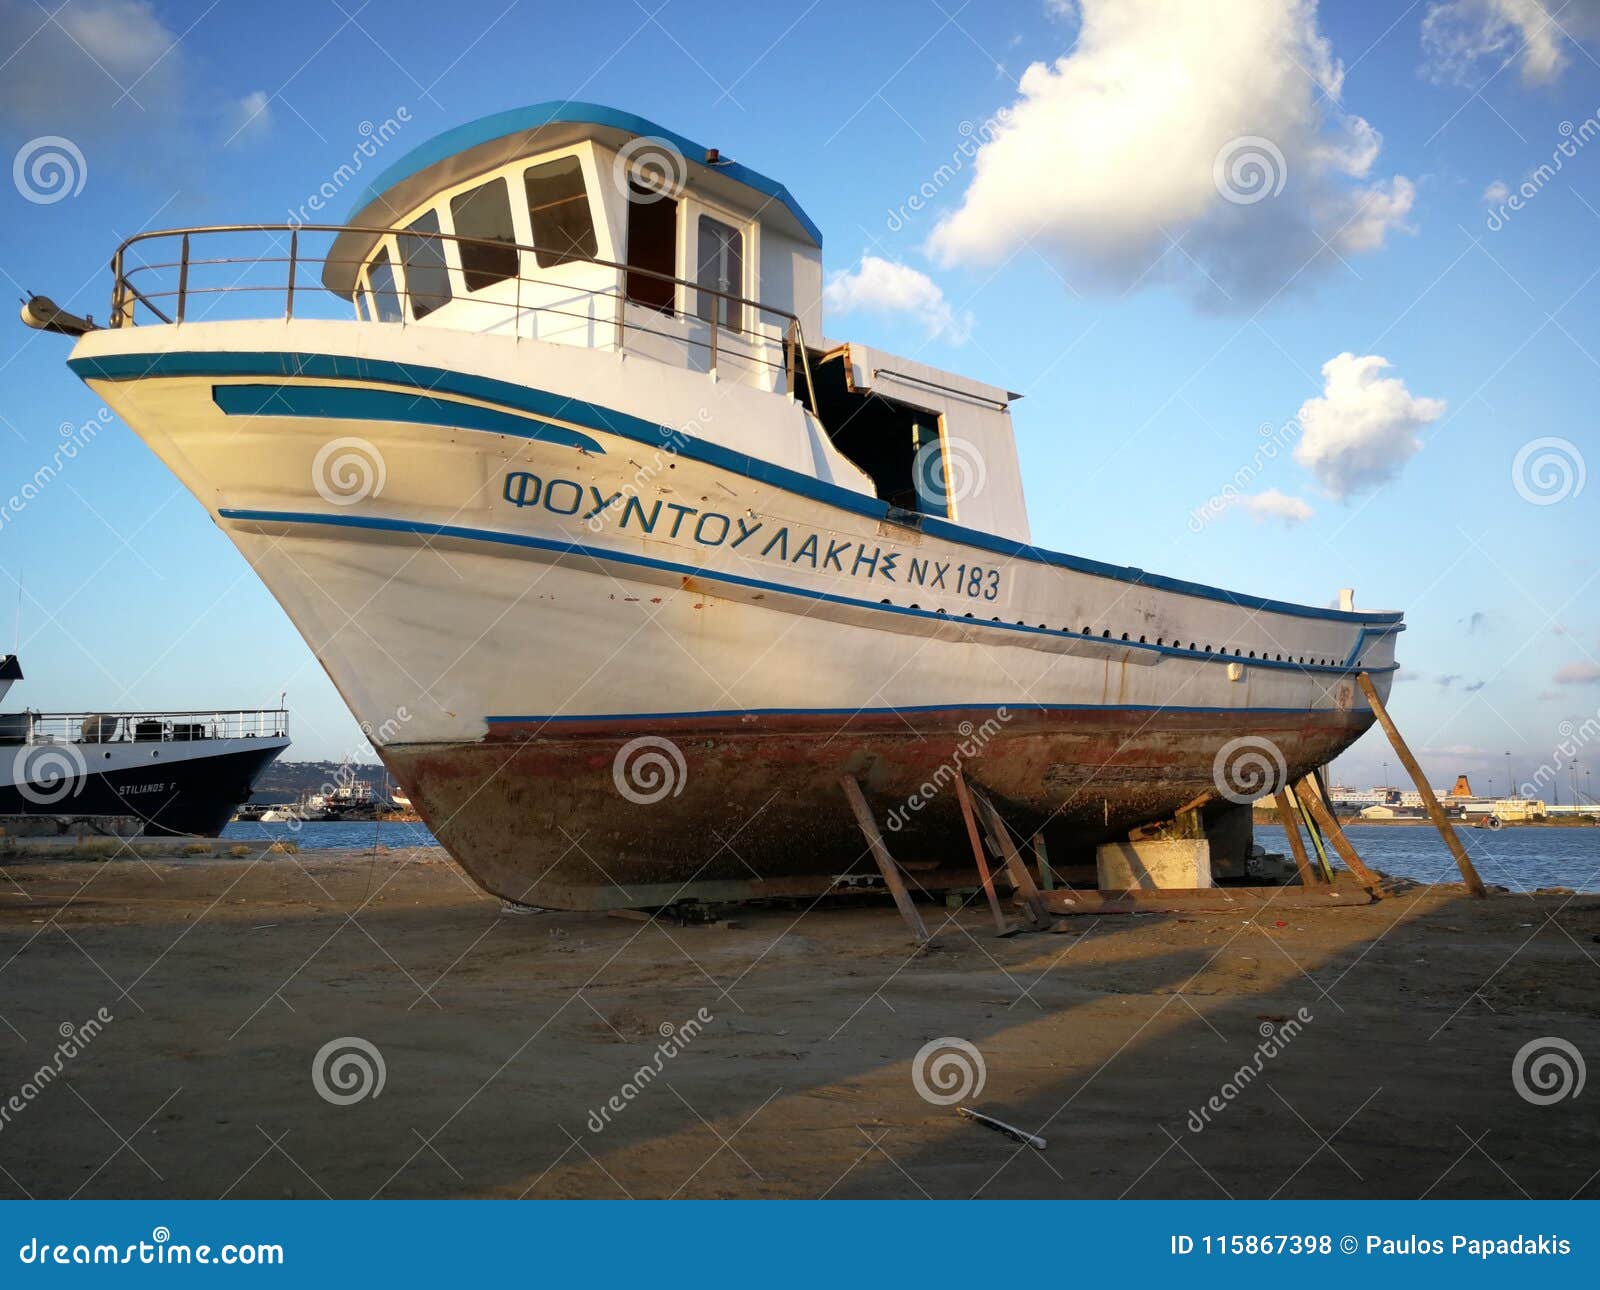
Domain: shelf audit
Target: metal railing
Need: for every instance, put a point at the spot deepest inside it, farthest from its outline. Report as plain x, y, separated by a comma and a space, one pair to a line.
173, 282
142, 727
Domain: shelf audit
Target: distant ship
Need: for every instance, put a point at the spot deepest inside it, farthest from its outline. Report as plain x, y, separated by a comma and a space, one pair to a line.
347, 799
166, 772
622, 564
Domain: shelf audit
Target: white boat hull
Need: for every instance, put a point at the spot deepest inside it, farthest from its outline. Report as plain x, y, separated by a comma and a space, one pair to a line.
537, 555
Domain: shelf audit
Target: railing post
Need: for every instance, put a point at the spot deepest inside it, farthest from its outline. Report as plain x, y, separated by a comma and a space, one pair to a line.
716, 308
622, 304
294, 249
117, 296
183, 277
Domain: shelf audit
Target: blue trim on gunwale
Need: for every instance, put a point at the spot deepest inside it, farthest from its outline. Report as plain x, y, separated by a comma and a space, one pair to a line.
123, 367
380, 524
357, 403
537, 115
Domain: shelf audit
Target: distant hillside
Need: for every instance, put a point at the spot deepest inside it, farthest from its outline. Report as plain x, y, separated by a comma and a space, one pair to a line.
286, 781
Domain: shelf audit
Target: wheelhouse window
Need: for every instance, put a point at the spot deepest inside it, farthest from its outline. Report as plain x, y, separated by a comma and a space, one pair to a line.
720, 267
427, 277
385, 299
558, 210
652, 247
485, 212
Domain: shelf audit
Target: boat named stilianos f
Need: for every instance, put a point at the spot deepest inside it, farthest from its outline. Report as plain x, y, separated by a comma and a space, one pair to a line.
622, 566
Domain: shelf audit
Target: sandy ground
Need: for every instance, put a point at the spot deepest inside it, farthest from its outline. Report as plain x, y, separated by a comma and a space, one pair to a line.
502, 1036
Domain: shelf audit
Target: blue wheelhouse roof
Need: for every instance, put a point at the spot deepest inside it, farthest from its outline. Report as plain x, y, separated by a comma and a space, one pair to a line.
516, 120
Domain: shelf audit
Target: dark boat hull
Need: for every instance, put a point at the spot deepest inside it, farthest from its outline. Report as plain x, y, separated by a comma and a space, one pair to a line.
194, 795
753, 808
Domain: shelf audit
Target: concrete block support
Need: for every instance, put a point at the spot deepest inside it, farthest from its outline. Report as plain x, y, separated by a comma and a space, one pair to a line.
1152, 866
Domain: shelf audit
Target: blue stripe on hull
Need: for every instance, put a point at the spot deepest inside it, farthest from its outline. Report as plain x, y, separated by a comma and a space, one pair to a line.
379, 524
358, 403
124, 367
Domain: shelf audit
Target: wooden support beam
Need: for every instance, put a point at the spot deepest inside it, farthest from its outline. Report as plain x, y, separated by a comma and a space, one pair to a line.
1208, 900
1469, 874
1041, 857
886, 862
1315, 835
1311, 799
1002, 928
1291, 826
1021, 880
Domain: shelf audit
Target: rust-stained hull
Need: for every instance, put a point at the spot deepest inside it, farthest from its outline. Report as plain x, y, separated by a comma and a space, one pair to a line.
534, 812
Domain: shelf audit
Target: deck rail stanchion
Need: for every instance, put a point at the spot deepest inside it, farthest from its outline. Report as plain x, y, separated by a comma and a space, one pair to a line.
183, 276
288, 295
1469, 874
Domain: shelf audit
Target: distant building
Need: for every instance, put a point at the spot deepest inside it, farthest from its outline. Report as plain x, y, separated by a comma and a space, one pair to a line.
1377, 813
1506, 808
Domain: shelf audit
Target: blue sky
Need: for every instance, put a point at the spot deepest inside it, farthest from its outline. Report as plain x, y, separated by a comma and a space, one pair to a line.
1153, 330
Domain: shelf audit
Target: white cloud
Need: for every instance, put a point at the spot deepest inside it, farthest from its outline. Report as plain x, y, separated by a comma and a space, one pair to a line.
1215, 124
879, 286
1496, 192
1466, 40
251, 115
1273, 505
99, 67
1363, 427
1577, 674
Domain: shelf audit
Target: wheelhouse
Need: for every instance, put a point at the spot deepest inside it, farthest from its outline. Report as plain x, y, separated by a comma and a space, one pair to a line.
575, 224
580, 225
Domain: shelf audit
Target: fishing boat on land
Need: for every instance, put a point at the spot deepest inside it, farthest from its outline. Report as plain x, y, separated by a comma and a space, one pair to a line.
152, 773
622, 565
